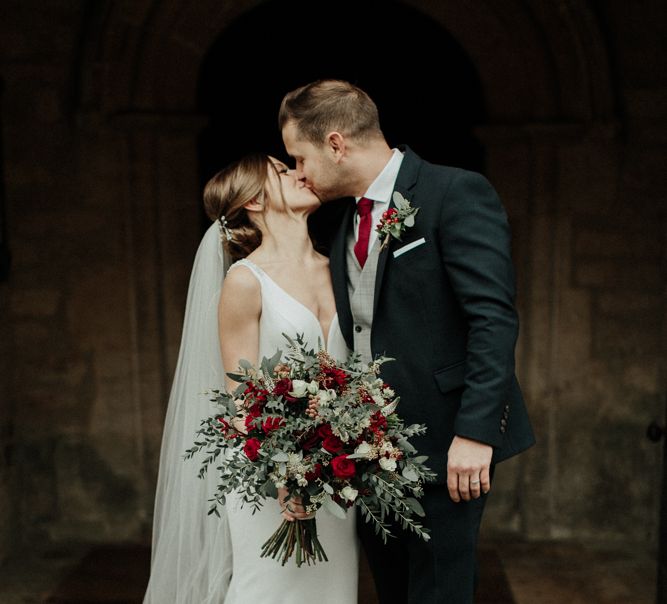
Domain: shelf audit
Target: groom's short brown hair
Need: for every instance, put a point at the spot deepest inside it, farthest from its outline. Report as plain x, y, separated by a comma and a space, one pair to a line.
330, 105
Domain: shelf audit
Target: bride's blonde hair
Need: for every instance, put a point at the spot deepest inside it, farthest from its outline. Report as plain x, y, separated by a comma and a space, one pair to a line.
226, 194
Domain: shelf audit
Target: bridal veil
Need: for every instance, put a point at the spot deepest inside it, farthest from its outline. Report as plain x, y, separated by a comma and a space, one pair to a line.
191, 558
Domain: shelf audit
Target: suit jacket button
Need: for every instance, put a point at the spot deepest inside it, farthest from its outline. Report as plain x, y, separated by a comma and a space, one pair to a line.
507, 408
503, 422
357, 328
502, 429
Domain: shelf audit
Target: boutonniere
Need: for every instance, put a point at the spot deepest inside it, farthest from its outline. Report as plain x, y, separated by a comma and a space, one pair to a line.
395, 220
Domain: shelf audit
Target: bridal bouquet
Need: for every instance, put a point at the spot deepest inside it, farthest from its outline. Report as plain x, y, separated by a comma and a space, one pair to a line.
325, 431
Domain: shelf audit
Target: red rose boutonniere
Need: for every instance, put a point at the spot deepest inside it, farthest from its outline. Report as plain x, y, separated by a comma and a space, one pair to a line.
395, 220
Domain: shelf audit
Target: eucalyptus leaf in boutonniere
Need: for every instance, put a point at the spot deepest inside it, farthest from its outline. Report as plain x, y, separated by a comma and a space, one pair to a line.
395, 220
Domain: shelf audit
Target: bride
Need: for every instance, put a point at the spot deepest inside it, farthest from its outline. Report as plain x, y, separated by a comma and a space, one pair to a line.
277, 283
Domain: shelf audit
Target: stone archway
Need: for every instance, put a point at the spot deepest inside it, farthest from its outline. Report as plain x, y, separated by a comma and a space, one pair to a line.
433, 109
544, 75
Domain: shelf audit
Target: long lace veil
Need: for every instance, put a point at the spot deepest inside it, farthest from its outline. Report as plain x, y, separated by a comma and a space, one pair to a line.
191, 555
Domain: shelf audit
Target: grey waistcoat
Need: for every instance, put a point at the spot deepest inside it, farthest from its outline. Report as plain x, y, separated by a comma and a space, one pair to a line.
361, 289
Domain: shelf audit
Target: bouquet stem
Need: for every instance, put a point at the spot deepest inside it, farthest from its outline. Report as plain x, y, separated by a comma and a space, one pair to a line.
298, 537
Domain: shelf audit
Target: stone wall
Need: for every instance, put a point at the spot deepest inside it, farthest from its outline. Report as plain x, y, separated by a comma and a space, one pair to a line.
590, 256
103, 209
71, 359
48, 382
8, 536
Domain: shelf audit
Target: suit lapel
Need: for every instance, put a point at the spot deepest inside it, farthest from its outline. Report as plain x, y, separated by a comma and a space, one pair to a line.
405, 181
338, 267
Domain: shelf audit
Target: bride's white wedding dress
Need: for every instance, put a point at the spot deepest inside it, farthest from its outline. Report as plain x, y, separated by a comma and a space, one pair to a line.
264, 580
198, 558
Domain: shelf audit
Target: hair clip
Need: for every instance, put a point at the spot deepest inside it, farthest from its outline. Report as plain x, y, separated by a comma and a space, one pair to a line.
225, 232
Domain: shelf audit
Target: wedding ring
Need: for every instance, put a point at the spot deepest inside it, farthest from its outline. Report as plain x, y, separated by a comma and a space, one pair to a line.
474, 482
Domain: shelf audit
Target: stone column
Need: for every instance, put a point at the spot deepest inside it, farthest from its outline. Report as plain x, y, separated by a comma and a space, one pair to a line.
591, 303
7, 508
128, 310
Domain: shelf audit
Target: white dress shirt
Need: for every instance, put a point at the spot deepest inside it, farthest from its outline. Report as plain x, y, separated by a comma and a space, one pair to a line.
380, 192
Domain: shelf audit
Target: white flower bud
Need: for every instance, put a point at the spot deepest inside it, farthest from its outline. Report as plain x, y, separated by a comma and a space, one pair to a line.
349, 493
312, 387
387, 463
294, 459
364, 450
299, 388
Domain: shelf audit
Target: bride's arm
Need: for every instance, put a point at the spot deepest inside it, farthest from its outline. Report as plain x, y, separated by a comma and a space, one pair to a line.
239, 311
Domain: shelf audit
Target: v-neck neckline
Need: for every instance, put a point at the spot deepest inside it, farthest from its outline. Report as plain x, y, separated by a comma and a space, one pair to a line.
297, 301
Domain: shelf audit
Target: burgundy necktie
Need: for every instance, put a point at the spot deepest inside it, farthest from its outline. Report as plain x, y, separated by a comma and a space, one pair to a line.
364, 207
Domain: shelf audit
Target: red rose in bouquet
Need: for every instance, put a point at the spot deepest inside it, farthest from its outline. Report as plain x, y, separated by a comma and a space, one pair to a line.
311, 440
330, 441
282, 388
271, 423
343, 467
251, 448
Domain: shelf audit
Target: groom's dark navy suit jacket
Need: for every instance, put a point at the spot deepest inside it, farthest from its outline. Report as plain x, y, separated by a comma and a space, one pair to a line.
445, 311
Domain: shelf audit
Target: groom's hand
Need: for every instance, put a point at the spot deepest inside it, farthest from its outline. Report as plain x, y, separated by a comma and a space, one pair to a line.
468, 469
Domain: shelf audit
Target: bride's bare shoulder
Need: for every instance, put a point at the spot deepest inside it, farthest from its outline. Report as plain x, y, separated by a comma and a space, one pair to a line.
240, 288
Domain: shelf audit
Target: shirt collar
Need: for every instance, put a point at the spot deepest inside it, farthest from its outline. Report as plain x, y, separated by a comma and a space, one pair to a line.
382, 187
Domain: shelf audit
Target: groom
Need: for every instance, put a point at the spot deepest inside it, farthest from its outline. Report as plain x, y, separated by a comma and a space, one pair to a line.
440, 301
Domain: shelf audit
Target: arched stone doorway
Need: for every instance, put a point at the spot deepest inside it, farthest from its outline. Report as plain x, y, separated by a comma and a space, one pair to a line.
543, 74
424, 84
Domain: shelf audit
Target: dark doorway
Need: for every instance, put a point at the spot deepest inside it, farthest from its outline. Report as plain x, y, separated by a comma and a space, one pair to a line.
426, 88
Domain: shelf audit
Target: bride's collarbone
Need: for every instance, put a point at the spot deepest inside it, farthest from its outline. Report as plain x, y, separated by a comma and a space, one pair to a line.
312, 280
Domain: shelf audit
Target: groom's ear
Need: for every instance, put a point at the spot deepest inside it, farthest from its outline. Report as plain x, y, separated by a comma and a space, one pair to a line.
335, 143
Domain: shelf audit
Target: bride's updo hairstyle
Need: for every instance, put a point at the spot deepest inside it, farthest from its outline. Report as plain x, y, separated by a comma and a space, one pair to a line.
225, 196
